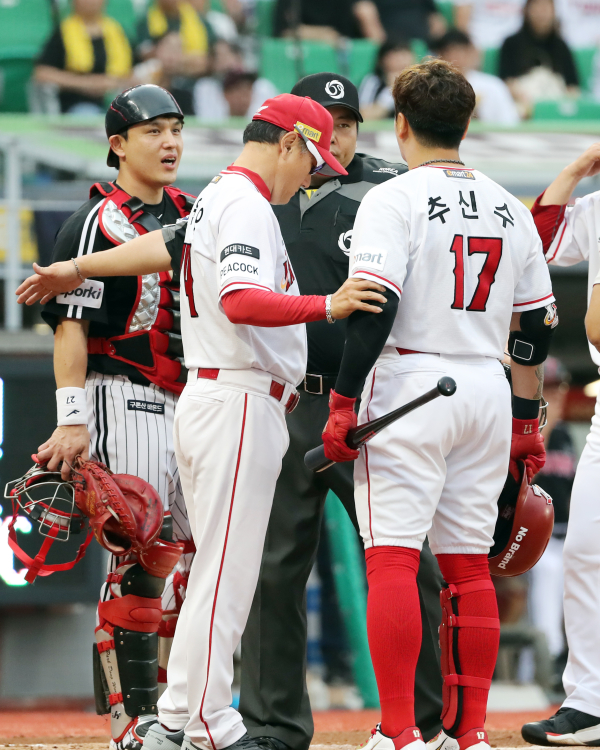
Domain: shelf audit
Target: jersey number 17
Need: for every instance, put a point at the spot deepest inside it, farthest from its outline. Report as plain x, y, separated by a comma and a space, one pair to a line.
492, 248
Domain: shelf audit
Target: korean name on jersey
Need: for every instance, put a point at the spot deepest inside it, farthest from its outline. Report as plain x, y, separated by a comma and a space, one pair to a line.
461, 253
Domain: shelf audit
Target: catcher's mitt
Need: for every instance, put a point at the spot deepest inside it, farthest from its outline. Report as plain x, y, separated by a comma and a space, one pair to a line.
126, 515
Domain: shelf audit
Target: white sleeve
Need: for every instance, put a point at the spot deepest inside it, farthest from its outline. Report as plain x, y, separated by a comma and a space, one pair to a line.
572, 242
534, 288
380, 238
246, 246
497, 105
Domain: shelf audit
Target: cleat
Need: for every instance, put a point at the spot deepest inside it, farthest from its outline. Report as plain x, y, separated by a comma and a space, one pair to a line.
159, 737
134, 734
568, 726
271, 743
475, 739
409, 739
442, 740
245, 742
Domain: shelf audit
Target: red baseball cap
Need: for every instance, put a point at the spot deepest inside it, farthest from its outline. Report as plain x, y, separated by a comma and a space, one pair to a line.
310, 120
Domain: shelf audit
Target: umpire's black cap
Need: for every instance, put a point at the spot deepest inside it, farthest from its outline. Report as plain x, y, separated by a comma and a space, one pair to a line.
329, 89
136, 105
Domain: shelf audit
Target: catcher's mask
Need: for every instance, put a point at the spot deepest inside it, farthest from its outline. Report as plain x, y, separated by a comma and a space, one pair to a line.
48, 501
523, 529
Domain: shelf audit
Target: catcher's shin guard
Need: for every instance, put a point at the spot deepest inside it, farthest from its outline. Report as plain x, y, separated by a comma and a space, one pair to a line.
450, 635
127, 646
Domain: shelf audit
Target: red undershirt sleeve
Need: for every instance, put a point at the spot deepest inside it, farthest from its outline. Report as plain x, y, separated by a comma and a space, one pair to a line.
547, 220
259, 307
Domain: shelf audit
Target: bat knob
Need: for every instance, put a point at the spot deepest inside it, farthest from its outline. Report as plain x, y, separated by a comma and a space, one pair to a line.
446, 386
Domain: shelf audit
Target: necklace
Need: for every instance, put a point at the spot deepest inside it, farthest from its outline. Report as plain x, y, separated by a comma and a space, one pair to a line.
444, 161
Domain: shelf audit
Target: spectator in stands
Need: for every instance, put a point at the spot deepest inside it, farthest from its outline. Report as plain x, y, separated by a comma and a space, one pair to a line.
488, 22
546, 582
411, 19
173, 34
87, 57
230, 90
375, 92
536, 62
494, 101
579, 22
223, 24
323, 21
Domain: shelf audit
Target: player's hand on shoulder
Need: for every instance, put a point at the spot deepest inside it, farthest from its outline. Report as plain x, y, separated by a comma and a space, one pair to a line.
355, 294
47, 282
65, 444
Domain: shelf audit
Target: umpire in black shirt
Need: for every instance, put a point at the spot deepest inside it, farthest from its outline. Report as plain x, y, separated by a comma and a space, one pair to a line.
317, 228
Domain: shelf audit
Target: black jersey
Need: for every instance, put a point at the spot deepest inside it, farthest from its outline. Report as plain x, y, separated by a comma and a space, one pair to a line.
317, 230
80, 235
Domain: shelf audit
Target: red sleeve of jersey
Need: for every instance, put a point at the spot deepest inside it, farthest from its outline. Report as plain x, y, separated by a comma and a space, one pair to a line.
259, 307
547, 220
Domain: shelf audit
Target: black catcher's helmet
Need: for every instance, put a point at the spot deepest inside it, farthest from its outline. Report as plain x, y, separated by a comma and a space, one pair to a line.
136, 105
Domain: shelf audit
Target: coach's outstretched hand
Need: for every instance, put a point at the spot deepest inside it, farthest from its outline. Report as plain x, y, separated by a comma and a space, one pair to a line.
47, 282
353, 295
65, 444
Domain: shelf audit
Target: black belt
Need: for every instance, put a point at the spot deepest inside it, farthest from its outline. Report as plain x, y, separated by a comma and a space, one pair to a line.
318, 385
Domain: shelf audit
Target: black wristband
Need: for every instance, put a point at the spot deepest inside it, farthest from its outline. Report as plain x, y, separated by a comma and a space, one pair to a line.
525, 408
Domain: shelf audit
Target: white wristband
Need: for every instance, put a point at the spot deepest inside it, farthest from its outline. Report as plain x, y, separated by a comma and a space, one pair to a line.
597, 279
71, 406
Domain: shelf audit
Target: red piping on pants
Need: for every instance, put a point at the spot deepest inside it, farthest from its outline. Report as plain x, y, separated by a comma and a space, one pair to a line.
367, 460
212, 616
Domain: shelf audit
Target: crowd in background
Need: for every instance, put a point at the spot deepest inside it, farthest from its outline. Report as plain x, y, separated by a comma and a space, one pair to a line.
208, 57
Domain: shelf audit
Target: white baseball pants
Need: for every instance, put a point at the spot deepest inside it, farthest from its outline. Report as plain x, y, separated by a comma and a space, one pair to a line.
438, 471
581, 559
230, 441
546, 595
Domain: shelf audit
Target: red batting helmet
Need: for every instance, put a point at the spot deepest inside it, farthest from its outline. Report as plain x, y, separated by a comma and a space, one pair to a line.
523, 529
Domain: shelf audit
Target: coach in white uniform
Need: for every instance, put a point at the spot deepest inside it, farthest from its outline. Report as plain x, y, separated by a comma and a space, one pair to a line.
238, 293
462, 263
570, 234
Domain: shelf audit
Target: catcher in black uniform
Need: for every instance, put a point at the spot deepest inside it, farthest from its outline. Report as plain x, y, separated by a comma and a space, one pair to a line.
118, 362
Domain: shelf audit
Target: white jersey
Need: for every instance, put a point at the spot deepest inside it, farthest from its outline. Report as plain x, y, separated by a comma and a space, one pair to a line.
578, 239
461, 252
233, 241
492, 21
579, 22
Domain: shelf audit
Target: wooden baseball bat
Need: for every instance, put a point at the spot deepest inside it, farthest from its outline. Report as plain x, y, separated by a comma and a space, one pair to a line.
316, 460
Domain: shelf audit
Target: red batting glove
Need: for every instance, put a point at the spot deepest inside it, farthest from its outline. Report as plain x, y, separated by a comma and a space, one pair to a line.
342, 418
527, 445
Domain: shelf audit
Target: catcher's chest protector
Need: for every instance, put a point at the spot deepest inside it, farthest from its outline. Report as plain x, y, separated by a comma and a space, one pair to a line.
450, 630
152, 342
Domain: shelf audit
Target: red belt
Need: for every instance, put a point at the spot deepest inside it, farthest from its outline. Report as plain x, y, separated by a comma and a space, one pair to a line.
276, 390
408, 351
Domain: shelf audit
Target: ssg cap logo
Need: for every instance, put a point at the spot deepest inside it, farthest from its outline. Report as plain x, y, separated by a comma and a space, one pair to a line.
312, 133
334, 89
